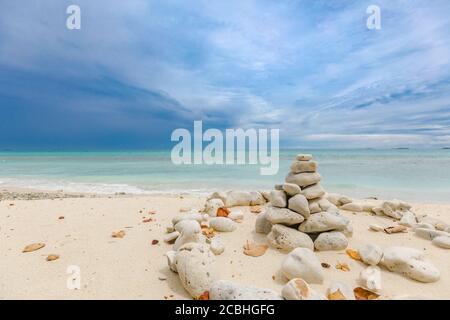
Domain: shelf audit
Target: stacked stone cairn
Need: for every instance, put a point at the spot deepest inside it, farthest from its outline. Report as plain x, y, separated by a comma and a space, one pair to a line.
299, 218
299, 214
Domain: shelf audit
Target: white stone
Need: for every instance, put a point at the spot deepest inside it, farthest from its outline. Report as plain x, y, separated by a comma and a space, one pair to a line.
222, 224
328, 241
217, 247
190, 216
291, 189
370, 278
283, 216
334, 198
279, 198
196, 269
287, 239
429, 234
408, 219
437, 223
375, 227
347, 230
324, 204
345, 200
303, 166
266, 195
190, 231
423, 226
303, 179
244, 198
352, 206
262, 225
171, 236
227, 290
323, 221
298, 289
345, 290
442, 241
212, 206
171, 255
313, 192
410, 263
303, 157
314, 206
371, 254
302, 263
299, 204
236, 215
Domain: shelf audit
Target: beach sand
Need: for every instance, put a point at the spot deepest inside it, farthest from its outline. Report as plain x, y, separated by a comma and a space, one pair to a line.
131, 267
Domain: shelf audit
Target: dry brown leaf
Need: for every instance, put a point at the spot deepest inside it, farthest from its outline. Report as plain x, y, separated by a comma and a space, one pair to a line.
155, 242
52, 257
354, 254
204, 296
337, 295
255, 209
118, 234
61, 217
147, 220
33, 247
208, 232
325, 265
342, 266
223, 212
255, 250
364, 294
395, 229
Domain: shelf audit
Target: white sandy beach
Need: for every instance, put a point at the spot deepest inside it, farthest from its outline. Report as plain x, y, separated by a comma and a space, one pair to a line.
131, 267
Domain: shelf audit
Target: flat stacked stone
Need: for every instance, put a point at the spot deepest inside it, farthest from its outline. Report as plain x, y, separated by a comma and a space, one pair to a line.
300, 204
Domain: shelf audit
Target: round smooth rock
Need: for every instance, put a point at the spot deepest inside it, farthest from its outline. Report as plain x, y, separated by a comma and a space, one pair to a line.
303, 157
429, 234
236, 215
442, 241
291, 189
222, 224
283, 216
371, 254
314, 206
171, 255
196, 269
328, 241
352, 206
299, 204
323, 221
313, 192
370, 278
278, 198
217, 247
303, 179
262, 225
190, 216
410, 263
171, 236
227, 290
408, 219
298, 289
303, 166
287, 239
302, 263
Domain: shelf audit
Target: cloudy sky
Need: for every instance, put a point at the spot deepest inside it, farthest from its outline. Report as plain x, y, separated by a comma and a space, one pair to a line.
138, 69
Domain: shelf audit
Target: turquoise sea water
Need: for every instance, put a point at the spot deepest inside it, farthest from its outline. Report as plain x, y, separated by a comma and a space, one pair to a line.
421, 175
